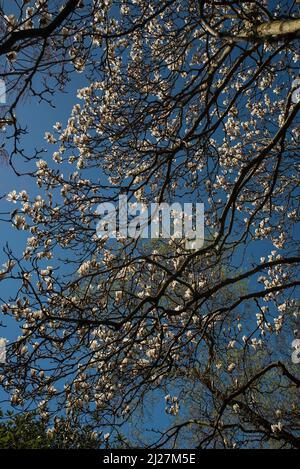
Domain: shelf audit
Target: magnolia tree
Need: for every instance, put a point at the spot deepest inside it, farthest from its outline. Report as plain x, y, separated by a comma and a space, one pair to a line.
185, 100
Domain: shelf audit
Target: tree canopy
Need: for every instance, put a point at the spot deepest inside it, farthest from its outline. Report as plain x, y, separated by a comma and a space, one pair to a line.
188, 101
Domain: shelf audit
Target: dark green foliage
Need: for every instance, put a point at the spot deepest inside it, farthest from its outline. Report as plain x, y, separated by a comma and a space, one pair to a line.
28, 431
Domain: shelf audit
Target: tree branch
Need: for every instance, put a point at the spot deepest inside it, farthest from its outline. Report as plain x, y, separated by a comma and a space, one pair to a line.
42, 33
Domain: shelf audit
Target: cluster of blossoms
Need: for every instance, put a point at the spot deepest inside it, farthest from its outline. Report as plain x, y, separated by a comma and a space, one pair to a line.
172, 407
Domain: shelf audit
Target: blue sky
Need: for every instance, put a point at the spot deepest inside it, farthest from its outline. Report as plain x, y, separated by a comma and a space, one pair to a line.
39, 118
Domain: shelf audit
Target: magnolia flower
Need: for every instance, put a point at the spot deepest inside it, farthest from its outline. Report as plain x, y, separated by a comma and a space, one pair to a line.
24, 196
23, 350
50, 138
118, 295
236, 408
276, 427
57, 157
126, 410
174, 409
84, 268
41, 164
50, 432
12, 197
11, 19
11, 56
19, 222
57, 126
15, 398
94, 344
